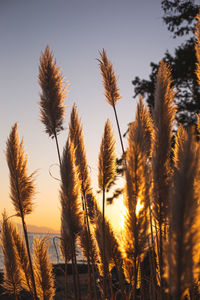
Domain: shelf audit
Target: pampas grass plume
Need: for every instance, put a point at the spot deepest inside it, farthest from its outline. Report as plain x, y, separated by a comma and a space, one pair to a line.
87, 246
23, 260
43, 269
112, 93
144, 129
163, 116
184, 212
21, 184
70, 196
197, 47
76, 137
107, 159
12, 275
53, 93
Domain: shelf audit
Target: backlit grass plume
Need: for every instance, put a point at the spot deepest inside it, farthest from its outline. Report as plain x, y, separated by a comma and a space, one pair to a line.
53, 93
107, 158
144, 128
12, 283
43, 270
106, 174
89, 250
197, 47
163, 116
21, 185
23, 260
184, 214
110, 254
76, 137
136, 224
112, 93
85, 245
71, 215
70, 196
53, 87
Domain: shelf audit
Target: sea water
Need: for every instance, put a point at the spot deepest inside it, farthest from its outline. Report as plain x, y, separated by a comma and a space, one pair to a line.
54, 249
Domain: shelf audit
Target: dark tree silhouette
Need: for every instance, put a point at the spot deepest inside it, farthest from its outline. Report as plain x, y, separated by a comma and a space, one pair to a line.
179, 16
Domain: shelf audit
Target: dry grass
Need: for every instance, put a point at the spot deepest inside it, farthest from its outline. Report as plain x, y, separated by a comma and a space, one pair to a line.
53, 93
43, 270
158, 254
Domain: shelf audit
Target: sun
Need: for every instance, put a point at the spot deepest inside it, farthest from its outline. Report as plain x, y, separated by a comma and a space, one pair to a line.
124, 212
139, 206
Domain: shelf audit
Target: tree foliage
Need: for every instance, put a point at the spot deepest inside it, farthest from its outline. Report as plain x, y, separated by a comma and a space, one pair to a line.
179, 16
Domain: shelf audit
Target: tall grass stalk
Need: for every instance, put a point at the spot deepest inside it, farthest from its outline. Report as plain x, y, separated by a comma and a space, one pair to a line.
54, 90
23, 260
163, 116
76, 137
112, 92
136, 223
65, 247
12, 275
43, 269
107, 169
70, 203
184, 214
21, 186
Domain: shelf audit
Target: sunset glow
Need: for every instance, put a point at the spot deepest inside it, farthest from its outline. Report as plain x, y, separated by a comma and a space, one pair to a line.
139, 206
123, 212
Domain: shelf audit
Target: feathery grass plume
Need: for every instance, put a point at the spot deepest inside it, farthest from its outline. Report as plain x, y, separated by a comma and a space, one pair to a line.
163, 116
23, 260
136, 225
65, 242
144, 127
88, 245
70, 196
184, 211
53, 93
76, 137
93, 207
144, 134
70, 203
83, 242
197, 47
21, 185
113, 252
112, 93
43, 269
106, 174
107, 161
12, 275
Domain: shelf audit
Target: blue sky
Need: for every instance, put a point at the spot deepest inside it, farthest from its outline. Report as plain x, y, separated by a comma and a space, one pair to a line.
132, 33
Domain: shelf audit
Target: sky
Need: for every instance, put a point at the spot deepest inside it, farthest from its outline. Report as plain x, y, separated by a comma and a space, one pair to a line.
132, 33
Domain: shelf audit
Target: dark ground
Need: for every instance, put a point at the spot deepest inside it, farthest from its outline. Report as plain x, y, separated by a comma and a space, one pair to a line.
58, 271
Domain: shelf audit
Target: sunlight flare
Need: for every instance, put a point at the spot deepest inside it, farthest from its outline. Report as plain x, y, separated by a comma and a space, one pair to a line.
139, 206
